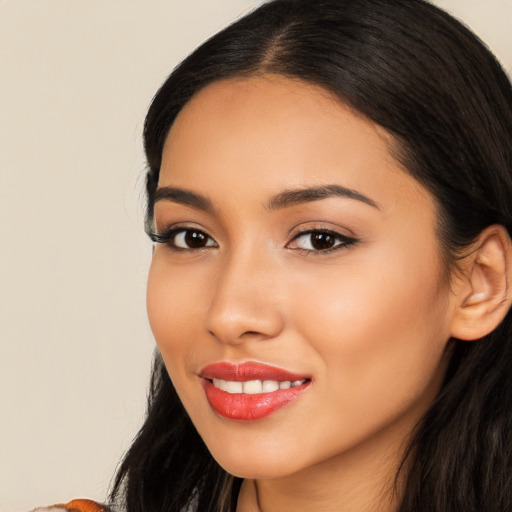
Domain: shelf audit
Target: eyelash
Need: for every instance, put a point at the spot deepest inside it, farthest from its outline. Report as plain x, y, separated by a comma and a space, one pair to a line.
344, 240
169, 238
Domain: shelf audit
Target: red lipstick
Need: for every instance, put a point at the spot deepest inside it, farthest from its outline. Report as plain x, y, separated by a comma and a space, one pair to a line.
240, 406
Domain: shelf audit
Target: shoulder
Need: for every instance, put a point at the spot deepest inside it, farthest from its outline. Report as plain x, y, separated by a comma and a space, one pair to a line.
75, 506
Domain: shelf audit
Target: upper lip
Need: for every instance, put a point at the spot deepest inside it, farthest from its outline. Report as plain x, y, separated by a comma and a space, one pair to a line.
241, 372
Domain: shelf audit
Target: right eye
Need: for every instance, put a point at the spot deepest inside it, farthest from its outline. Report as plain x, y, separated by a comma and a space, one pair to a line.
184, 239
192, 239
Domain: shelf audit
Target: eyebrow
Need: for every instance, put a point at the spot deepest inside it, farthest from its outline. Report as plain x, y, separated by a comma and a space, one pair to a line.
185, 197
306, 195
284, 199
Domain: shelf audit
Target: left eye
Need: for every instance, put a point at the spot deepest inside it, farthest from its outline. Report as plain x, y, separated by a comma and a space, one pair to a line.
320, 241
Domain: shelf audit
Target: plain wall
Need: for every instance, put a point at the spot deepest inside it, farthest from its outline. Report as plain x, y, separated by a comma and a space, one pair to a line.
75, 80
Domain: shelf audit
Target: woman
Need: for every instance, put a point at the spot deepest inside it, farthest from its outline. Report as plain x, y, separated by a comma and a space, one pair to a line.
329, 193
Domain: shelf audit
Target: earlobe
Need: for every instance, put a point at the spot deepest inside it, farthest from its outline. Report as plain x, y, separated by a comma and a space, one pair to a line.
484, 292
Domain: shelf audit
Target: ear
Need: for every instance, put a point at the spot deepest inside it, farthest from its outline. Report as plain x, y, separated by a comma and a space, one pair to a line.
483, 291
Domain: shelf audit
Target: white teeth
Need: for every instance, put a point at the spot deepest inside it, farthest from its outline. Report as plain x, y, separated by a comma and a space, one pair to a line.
233, 387
254, 387
270, 385
228, 385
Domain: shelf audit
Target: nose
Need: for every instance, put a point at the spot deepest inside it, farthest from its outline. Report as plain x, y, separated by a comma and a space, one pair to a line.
245, 304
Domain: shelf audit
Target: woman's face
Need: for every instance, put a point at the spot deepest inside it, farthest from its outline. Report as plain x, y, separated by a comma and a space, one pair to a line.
297, 300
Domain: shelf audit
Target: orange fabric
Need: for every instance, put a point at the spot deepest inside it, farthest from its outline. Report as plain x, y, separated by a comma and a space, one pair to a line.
85, 506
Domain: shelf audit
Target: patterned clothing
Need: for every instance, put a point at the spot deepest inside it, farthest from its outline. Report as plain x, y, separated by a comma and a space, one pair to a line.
75, 506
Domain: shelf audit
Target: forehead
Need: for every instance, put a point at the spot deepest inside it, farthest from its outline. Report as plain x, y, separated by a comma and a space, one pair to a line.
269, 109
258, 136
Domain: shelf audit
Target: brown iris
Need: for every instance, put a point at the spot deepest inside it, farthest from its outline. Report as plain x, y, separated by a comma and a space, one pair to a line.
322, 241
195, 239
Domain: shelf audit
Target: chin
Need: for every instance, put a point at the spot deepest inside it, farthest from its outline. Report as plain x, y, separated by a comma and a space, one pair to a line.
255, 471
256, 462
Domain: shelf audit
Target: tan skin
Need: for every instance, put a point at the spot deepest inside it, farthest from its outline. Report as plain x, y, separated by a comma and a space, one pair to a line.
349, 290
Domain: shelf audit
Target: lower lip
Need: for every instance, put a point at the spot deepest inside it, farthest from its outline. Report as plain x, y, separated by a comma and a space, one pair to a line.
244, 407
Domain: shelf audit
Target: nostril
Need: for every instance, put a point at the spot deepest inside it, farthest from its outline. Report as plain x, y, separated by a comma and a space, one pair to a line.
238, 322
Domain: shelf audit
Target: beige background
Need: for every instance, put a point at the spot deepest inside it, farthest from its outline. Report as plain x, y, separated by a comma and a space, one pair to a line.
76, 77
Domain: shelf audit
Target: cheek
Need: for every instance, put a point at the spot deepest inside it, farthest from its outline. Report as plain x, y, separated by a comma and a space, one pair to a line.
170, 296
173, 304
386, 325
161, 302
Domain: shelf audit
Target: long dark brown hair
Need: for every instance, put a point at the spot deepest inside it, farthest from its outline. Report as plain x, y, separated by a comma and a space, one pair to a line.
425, 78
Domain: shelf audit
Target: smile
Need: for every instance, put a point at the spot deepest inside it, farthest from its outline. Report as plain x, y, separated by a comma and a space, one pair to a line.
250, 391
254, 387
